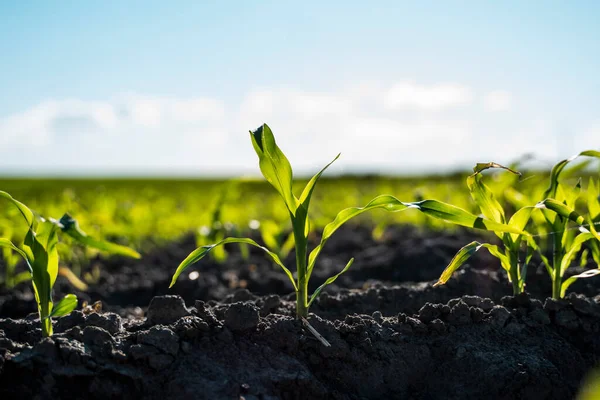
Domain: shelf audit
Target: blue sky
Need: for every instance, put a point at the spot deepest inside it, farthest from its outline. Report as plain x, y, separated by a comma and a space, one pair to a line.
172, 87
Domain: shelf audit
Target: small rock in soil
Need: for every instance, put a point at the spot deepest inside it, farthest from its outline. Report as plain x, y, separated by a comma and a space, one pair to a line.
241, 316
460, 313
161, 338
500, 315
166, 309
110, 322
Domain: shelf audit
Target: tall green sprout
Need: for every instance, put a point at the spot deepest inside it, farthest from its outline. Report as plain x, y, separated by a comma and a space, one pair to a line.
277, 170
39, 250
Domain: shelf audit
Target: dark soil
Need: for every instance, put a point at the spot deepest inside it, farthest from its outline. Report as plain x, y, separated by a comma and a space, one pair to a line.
392, 334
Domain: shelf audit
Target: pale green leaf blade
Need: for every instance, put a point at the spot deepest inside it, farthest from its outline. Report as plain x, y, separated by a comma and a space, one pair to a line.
458, 216
519, 220
483, 196
479, 167
70, 226
64, 306
23, 209
329, 281
574, 249
593, 198
202, 251
7, 243
561, 209
457, 261
308, 189
274, 165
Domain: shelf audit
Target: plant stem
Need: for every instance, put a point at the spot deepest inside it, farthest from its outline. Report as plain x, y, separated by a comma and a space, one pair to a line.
301, 268
46, 322
556, 262
515, 277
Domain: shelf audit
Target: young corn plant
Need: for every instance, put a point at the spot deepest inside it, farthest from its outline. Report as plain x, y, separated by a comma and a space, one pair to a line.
277, 170
566, 243
517, 249
39, 250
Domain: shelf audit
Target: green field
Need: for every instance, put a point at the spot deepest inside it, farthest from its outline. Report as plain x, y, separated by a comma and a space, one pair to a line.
133, 210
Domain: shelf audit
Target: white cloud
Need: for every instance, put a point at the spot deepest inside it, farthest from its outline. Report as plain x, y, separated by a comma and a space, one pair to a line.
372, 124
409, 95
497, 100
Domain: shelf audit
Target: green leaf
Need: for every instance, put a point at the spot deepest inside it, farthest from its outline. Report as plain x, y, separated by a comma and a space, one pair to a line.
200, 252
569, 281
561, 209
306, 195
463, 255
558, 168
479, 167
44, 263
329, 281
7, 243
308, 189
484, 198
519, 220
593, 198
432, 208
568, 195
70, 226
573, 250
64, 307
274, 165
23, 209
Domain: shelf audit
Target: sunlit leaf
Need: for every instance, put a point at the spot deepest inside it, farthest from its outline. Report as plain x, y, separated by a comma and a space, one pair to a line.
329, 281
432, 208
8, 244
561, 209
464, 254
519, 221
200, 252
573, 250
64, 307
485, 199
274, 165
23, 209
593, 198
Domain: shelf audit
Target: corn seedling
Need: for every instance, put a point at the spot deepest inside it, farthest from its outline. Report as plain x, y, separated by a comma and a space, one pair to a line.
512, 257
39, 251
567, 243
277, 170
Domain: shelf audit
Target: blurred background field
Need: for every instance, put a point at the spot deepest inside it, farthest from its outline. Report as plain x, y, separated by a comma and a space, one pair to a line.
145, 210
